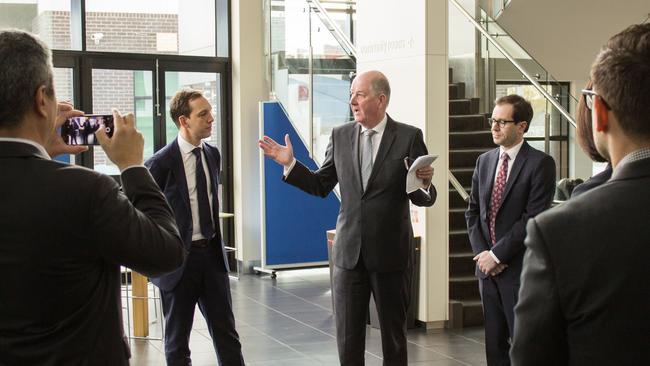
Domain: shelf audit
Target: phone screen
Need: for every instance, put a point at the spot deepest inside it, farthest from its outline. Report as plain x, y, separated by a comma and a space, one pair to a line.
81, 130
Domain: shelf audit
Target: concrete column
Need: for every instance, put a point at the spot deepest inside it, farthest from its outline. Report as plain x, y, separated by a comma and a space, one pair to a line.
249, 87
407, 41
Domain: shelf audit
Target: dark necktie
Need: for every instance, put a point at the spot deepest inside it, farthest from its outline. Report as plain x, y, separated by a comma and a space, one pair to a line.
366, 156
497, 195
205, 216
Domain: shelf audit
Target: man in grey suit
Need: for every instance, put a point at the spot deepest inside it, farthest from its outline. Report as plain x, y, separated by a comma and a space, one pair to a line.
373, 230
511, 184
585, 298
60, 284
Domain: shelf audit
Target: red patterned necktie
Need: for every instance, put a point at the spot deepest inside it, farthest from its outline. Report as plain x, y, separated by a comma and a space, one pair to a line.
497, 195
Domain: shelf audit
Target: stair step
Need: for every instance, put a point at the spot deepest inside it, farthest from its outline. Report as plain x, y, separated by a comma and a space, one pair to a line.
461, 264
463, 106
455, 200
456, 90
472, 313
465, 158
457, 219
459, 241
475, 140
463, 175
468, 122
463, 288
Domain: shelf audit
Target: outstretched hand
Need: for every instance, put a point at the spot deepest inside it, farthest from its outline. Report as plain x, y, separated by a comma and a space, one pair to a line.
55, 145
282, 155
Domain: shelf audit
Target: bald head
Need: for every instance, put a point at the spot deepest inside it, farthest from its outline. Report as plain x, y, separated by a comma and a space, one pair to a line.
378, 82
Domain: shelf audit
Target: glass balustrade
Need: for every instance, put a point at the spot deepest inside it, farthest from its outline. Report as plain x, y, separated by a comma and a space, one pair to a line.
310, 71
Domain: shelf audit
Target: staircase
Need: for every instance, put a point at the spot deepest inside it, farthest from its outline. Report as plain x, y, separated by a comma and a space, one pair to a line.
469, 137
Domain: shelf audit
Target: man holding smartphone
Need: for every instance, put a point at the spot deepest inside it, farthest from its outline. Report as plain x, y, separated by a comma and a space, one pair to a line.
187, 170
60, 290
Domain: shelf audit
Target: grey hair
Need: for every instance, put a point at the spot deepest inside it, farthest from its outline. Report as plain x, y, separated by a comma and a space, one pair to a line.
26, 66
380, 85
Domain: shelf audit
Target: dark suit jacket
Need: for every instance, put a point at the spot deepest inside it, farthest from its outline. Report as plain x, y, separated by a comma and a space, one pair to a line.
375, 223
166, 167
529, 191
593, 182
65, 232
584, 296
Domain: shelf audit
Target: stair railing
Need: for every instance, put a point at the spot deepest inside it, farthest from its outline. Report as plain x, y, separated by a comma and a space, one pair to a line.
459, 187
514, 62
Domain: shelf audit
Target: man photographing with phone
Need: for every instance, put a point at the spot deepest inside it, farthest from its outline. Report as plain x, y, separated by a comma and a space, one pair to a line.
60, 289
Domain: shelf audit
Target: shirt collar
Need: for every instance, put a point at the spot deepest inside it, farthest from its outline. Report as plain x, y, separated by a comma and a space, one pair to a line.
643, 153
185, 146
381, 126
512, 152
40, 147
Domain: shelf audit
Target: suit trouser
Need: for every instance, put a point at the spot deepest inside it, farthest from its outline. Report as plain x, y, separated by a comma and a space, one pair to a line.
352, 289
205, 282
499, 299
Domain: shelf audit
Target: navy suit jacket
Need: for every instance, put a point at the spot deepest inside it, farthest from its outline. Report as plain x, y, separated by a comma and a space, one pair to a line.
166, 167
529, 191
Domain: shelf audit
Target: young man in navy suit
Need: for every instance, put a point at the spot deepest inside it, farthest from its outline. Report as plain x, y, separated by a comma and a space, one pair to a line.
187, 171
511, 184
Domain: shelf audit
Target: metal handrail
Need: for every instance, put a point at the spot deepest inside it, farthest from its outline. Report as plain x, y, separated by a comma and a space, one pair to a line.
532, 80
459, 187
334, 29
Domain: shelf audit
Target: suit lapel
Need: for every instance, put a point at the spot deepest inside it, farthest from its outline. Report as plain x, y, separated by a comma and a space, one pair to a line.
384, 147
519, 163
178, 168
491, 165
213, 170
354, 142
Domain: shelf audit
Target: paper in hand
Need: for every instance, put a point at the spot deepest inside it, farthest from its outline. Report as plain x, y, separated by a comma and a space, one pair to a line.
412, 181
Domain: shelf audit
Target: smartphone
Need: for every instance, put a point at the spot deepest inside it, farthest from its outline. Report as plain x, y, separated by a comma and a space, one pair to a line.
81, 130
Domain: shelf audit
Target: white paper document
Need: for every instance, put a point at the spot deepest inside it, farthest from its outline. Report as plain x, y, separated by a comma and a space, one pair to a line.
412, 181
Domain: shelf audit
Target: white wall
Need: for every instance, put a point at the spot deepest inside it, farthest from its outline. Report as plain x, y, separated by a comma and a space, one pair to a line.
248, 89
413, 55
565, 36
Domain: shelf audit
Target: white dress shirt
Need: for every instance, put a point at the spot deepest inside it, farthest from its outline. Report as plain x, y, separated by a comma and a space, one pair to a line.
189, 163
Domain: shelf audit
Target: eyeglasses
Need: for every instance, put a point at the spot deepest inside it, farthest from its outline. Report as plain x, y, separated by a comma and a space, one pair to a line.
589, 98
501, 122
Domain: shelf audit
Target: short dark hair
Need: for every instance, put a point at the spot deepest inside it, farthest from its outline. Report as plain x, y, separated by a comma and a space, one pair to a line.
180, 104
621, 76
522, 111
26, 65
584, 129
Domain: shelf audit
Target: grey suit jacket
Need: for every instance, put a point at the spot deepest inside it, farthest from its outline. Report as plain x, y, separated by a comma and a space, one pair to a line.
375, 223
584, 296
529, 191
65, 232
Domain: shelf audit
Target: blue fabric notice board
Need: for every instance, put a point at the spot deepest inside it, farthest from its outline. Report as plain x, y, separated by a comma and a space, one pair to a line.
295, 223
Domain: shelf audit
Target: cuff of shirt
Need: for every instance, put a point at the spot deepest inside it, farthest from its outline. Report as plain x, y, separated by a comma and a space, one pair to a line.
287, 169
495, 257
133, 166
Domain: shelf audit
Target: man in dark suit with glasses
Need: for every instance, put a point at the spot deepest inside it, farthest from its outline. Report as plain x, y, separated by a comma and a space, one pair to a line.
511, 184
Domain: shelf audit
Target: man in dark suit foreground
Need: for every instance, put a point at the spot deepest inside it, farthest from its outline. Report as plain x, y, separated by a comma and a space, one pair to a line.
585, 298
61, 249
187, 170
373, 230
511, 184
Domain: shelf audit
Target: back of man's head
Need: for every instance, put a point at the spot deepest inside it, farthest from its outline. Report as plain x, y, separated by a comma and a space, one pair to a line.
621, 76
26, 66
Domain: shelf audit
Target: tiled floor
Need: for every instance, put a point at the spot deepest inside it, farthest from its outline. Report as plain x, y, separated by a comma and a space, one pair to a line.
288, 322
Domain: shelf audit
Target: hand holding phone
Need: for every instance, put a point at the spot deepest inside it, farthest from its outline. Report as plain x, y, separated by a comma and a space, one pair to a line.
126, 147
